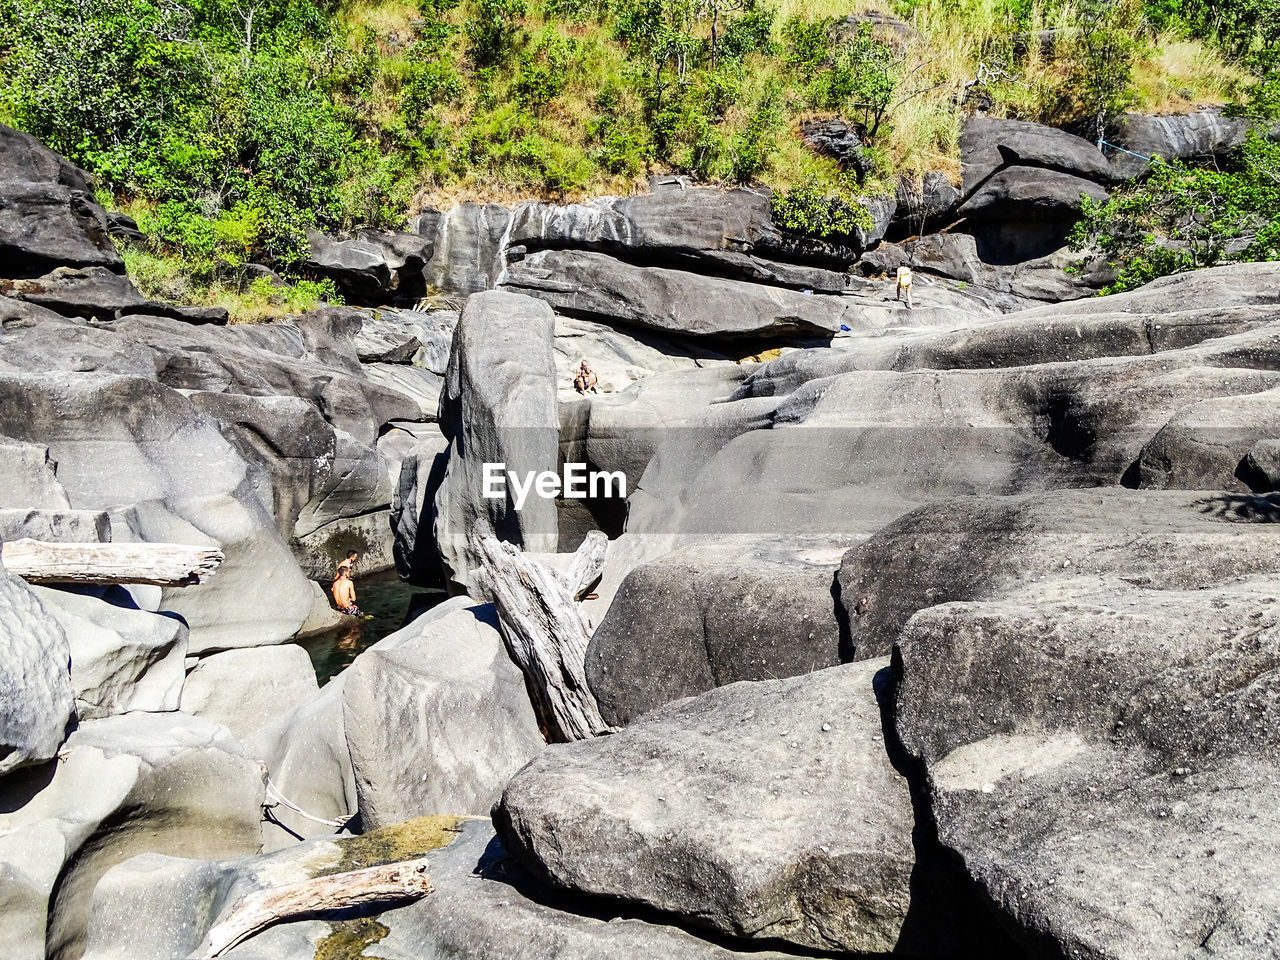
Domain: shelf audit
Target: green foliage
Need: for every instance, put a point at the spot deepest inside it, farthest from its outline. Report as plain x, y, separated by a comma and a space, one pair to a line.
494, 29
1181, 218
810, 208
1103, 57
546, 68
862, 80
807, 44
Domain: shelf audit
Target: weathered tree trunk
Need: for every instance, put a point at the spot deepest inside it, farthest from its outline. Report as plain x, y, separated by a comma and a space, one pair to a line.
161, 564
389, 885
545, 631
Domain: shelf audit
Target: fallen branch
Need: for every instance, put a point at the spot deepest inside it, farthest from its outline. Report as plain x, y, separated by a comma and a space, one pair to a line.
545, 631
159, 564
392, 884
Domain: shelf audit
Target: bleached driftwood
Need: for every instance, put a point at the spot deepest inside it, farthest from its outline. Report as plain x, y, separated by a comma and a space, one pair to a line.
545, 631
391, 884
161, 564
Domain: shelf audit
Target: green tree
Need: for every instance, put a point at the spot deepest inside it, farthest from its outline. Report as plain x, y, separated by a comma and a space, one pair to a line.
1181, 218
1103, 56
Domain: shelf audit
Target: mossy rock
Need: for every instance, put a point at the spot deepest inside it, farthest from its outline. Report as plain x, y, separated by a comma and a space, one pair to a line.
401, 841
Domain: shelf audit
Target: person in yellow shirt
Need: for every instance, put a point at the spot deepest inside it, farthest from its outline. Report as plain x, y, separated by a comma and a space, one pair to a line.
904, 284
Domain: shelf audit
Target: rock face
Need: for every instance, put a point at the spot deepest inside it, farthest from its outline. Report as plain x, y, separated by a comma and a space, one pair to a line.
374, 267
122, 659
246, 689
437, 717
47, 215
584, 283
1025, 193
987, 145
701, 618
1114, 789
496, 410
36, 699
764, 810
1045, 547
840, 140
163, 783
1198, 136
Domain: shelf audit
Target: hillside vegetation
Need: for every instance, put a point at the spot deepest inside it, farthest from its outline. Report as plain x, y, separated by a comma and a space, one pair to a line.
227, 128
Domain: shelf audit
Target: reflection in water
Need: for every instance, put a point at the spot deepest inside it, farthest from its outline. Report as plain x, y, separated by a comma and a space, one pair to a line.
389, 604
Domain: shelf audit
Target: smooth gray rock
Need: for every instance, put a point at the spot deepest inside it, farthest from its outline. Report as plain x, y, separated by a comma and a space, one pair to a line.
764, 811
44, 225
469, 247
1106, 767
246, 689
122, 659
598, 286
1205, 444
30, 477
1043, 547
23, 157
437, 717
703, 617
988, 144
143, 782
36, 699
417, 558
373, 267
498, 406
486, 908
306, 757
1030, 193
434, 331
92, 292
55, 526
1197, 136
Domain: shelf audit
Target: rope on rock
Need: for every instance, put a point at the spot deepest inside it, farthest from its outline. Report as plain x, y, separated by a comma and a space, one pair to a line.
1104, 143
280, 798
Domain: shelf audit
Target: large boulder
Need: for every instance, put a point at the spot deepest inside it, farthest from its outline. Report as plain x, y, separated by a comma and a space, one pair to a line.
988, 144
374, 267
122, 658
485, 907
36, 699
1106, 767
246, 689
1042, 546
160, 783
437, 717
48, 217
469, 247
764, 811
703, 617
498, 406
672, 301
1198, 136
1030, 193
306, 756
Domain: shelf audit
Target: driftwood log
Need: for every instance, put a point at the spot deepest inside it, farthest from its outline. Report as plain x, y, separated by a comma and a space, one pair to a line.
391, 884
545, 631
161, 564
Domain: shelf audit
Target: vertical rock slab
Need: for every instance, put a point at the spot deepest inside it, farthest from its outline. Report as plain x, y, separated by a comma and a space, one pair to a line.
36, 699
498, 406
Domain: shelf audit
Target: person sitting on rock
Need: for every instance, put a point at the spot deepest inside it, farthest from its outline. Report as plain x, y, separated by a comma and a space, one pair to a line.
904, 283
586, 379
347, 563
344, 593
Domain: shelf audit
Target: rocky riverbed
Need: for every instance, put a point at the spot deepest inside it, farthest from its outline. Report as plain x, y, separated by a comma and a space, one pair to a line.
942, 632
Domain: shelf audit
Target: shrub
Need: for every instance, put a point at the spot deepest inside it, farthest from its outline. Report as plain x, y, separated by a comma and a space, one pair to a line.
813, 209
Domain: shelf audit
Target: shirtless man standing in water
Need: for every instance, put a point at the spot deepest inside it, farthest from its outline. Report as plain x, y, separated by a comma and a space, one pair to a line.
344, 593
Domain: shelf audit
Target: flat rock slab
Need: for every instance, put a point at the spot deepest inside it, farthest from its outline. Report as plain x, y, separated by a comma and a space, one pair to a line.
487, 908
1108, 769
766, 811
